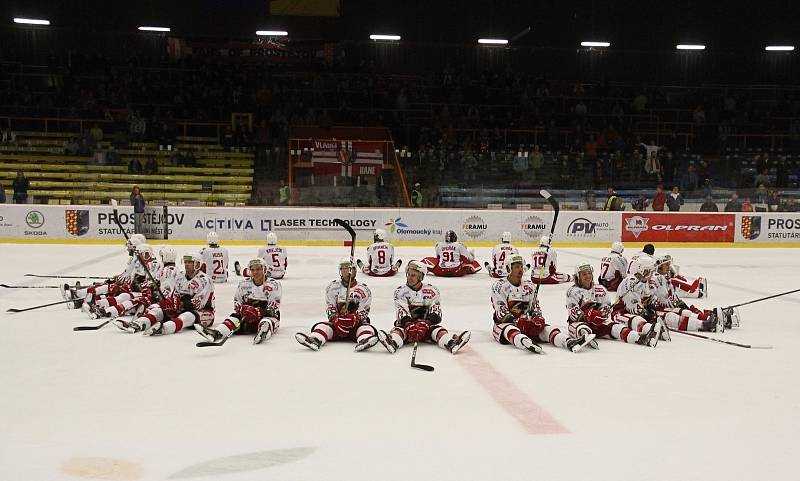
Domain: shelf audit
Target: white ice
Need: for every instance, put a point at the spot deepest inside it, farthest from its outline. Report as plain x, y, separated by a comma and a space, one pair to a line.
160, 408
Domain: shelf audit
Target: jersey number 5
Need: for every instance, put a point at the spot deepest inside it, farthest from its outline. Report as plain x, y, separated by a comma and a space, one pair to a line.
276, 260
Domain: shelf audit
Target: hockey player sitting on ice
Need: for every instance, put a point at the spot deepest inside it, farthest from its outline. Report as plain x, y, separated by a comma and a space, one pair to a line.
677, 315
256, 308
274, 257
347, 307
589, 311
500, 253
193, 301
613, 268
686, 288
215, 259
516, 324
419, 315
635, 307
545, 256
139, 292
380, 257
112, 287
647, 252
452, 259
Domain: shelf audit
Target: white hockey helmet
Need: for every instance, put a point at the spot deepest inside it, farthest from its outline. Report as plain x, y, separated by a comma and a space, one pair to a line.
505, 237
168, 255
134, 241
272, 239
644, 267
145, 248
417, 266
663, 259
256, 262
583, 267
192, 257
346, 262
514, 259
544, 241
212, 238
140, 238
380, 235
617, 247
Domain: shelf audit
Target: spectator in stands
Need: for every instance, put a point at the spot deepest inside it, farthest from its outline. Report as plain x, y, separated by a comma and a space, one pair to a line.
733, 205
416, 196
613, 202
762, 178
9, 137
151, 167
97, 133
137, 201
746, 205
283, 194
134, 166
21, 186
761, 194
709, 205
71, 146
674, 199
773, 200
690, 181
537, 159
641, 203
659, 198
588, 197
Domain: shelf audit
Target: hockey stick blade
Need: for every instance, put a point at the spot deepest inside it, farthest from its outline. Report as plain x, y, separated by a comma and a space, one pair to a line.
213, 344
43, 305
424, 367
28, 287
66, 277
90, 328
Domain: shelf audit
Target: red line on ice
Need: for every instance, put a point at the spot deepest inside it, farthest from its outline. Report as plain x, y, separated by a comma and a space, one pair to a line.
533, 418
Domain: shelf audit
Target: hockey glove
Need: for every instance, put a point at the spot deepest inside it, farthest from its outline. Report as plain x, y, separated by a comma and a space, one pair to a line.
249, 314
186, 303
530, 326
417, 331
344, 324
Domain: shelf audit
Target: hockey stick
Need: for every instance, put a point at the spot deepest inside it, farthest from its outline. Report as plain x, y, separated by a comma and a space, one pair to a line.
91, 328
214, 344
352, 233
424, 367
138, 256
553, 203
43, 305
66, 277
29, 287
763, 299
748, 346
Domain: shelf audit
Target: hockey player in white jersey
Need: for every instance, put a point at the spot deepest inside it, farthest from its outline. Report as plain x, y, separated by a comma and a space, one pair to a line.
672, 310
256, 308
647, 252
215, 259
274, 256
347, 305
613, 268
635, 305
515, 323
193, 302
418, 315
500, 253
380, 257
546, 256
111, 287
687, 288
589, 311
142, 289
452, 259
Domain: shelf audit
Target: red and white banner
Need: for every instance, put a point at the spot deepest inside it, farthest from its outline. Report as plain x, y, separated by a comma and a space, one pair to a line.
663, 227
346, 158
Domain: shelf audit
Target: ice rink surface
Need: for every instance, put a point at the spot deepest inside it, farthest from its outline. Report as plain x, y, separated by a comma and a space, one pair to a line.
110, 405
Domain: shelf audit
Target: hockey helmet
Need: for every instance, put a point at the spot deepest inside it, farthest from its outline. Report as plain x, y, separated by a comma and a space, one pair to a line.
514, 259
192, 257
417, 266
168, 255
256, 262
380, 235
644, 267
617, 247
544, 241
506, 237
212, 238
450, 236
583, 267
272, 239
143, 249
